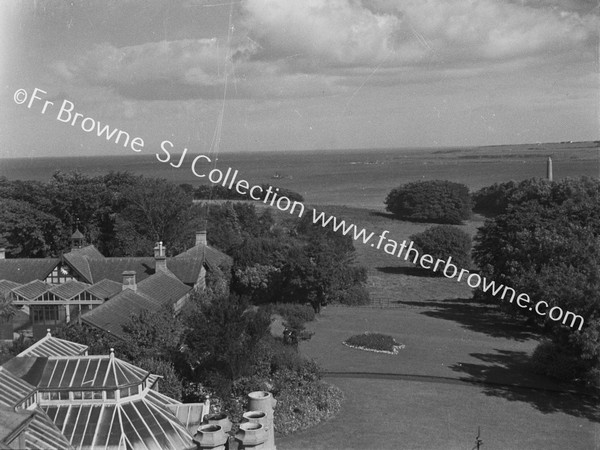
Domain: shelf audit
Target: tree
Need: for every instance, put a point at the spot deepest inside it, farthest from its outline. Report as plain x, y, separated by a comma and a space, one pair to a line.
28, 233
442, 241
154, 334
548, 245
156, 210
430, 201
222, 338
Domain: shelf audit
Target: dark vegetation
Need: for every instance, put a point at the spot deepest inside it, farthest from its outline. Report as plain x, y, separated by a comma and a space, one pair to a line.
545, 241
436, 201
217, 192
220, 343
372, 341
441, 241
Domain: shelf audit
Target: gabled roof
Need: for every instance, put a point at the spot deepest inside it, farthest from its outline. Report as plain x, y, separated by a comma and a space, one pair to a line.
6, 286
80, 264
14, 389
163, 288
113, 314
105, 289
152, 293
32, 289
43, 433
69, 289
52, 346
23, 270
113, 268
34, 427
209, 255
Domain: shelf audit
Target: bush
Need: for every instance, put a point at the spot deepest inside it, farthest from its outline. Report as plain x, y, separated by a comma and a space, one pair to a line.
442, 241
372, 341
353, 296
294, 312
551, 360
436, 201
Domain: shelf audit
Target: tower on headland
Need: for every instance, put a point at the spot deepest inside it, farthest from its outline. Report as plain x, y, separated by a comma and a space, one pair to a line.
549, 169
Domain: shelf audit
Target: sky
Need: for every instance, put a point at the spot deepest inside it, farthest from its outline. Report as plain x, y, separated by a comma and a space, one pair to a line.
283, 75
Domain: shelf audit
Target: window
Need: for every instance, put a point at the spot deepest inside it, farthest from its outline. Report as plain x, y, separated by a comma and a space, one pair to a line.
63, 395
54, 396
110, 395
97, 395
45, 395
77, 395
124, 392
87, 395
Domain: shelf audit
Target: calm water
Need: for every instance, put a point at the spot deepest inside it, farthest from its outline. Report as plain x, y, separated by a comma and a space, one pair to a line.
358, 178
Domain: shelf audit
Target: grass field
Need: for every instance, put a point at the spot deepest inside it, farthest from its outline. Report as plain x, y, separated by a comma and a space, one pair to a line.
463, 365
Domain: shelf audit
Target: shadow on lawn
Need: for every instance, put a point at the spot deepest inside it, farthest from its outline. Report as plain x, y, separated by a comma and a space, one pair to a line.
513, 367
409, 270
474, 316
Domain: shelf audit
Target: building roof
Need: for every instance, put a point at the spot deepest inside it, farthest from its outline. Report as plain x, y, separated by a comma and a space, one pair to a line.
33, 289
69, 289
7, 285
152, 293
98, 372
52, 346
105, 289
34, 426
209, 255
144, 423
14, 389
23, 270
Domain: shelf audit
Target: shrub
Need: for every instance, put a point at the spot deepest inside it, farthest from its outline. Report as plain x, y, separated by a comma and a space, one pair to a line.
372, 341
294, 312
430, 201
442, 241
353, 296
550, 360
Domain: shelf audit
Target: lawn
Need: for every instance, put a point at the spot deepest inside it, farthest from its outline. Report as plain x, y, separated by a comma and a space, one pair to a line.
390, 414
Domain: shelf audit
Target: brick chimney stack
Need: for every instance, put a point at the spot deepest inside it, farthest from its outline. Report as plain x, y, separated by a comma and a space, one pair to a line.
160, 260
201, 236
129, 280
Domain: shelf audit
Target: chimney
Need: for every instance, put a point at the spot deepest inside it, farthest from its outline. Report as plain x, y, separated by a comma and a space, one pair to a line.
160, 260
2, 253
129, 280
201, 237
549, 169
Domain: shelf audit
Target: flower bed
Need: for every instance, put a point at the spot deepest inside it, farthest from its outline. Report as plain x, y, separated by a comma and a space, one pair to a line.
374, 342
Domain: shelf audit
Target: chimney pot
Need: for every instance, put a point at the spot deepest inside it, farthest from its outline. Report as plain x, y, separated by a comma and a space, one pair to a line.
129, 280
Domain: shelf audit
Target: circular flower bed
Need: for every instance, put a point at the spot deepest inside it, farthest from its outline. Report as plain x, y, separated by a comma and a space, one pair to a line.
374, 342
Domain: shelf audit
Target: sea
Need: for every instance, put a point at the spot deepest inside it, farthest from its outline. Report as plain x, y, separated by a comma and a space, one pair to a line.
359, 178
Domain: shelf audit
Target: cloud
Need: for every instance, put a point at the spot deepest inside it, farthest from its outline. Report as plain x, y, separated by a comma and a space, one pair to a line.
291, 48
413, 32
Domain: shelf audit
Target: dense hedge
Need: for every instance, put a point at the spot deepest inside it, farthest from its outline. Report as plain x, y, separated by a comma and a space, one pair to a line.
442, 241
437, 201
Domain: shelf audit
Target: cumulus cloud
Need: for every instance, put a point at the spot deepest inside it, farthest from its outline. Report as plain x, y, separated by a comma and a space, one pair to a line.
355, 33
315, 47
